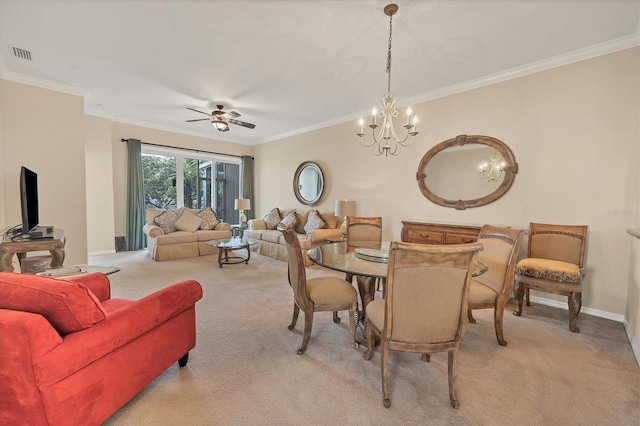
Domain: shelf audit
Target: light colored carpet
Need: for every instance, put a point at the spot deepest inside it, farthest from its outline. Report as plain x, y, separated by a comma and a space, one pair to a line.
245, 370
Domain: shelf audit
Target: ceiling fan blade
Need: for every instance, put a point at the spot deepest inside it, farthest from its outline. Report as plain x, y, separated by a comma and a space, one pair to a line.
232, 114
198, 119
242, 123
205, 113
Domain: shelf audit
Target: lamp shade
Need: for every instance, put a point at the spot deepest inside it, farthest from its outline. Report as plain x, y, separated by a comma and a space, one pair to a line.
243, 204
345, 208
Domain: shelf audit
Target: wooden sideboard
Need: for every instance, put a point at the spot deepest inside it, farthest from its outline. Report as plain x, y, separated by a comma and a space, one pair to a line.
438, 233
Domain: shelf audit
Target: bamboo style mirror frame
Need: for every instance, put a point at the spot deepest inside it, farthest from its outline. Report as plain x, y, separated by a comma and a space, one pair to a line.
308, 183
449, 173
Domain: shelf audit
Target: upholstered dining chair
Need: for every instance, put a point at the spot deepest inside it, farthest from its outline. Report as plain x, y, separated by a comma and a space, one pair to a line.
554, 264
494, 288
317, 294
425, 306
364, 230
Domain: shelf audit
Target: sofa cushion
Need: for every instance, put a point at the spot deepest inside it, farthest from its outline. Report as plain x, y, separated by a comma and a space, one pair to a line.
553, 270
272, 219
314, 221
188, 221
289, 221
167, 220
209, 218
68, 306
272, 236
177, 238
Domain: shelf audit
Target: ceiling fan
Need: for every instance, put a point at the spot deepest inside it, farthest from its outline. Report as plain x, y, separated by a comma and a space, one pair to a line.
221, 119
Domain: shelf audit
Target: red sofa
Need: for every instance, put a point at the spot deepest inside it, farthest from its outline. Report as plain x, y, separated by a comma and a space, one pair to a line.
70, 354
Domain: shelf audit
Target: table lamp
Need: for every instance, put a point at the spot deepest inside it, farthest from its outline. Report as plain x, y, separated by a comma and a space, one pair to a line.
343, 209
243, 204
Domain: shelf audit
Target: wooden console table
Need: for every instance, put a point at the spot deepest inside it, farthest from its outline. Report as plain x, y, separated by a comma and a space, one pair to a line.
438, 233
54, 245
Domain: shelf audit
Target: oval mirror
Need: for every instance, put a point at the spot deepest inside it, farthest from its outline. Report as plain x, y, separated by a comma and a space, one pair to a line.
466, 171
308, 183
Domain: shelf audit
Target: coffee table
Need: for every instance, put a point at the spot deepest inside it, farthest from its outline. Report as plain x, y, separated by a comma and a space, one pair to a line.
230, 244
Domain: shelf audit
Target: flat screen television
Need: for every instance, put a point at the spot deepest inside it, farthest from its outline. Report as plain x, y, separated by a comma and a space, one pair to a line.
29, 199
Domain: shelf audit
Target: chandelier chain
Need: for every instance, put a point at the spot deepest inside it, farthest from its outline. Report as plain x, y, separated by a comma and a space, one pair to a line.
389, 54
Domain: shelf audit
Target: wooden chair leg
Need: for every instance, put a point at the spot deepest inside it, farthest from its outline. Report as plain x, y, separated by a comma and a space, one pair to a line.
470, 317
384, 366
453, 364
425, 357
575, 303
498, 315
308, 324
336, 318
294, 319
519, 298
528, 301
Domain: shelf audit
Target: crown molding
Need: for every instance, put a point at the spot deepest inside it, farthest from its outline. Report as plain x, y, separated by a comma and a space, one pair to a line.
532, 68
5, 74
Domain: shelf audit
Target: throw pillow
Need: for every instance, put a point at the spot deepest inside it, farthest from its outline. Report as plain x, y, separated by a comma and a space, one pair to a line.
166, 221
272, 219
289, 221
314, 221
68, 306
188, 221
209, 218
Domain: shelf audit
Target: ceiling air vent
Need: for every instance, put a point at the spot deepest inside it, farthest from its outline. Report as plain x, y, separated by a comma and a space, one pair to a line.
21, 53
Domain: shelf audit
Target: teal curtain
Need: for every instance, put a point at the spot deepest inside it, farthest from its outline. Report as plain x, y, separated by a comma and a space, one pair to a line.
246, 183
135, 238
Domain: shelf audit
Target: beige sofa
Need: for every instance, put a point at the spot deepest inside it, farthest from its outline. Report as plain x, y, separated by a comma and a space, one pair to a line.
184, 241
272, 243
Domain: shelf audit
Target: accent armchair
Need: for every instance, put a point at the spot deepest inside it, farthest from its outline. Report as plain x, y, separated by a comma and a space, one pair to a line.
72, 355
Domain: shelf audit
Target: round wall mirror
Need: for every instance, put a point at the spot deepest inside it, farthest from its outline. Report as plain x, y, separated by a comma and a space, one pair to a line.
466, 171
308, 183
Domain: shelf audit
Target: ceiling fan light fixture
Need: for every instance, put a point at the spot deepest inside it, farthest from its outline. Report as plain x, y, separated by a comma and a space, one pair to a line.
220, 126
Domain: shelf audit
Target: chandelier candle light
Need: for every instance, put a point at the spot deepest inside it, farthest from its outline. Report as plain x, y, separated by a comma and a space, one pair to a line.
386, 135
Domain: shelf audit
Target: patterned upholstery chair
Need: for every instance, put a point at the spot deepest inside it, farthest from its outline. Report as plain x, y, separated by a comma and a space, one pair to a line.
555, 264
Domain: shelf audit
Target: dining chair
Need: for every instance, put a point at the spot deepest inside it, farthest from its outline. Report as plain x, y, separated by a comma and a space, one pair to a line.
425, 306
494, 288
554, 264
317, 294
364, 230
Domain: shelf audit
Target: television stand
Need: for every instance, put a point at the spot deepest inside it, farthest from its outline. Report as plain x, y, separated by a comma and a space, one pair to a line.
54, 244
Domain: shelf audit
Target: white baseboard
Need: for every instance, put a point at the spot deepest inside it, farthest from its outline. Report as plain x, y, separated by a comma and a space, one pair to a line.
99, 253
634, 344
588, 311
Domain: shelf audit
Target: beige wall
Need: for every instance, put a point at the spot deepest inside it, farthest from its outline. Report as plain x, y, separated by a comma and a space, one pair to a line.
99, 165
121, 131
44, 131
573, 130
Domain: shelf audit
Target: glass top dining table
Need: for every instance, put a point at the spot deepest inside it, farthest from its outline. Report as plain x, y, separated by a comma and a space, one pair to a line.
343, 257
366, 261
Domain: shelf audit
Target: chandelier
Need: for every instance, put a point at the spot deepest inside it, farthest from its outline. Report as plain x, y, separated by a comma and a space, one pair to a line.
493, 170
385, 139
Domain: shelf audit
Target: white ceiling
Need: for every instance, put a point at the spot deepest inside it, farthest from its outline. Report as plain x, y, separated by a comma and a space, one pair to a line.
291, 66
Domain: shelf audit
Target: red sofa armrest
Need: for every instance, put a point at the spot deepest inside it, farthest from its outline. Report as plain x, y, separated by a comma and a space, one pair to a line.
121, 327
96, 282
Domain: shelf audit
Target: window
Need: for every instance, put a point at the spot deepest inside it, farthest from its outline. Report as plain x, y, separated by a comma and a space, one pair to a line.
176, 178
